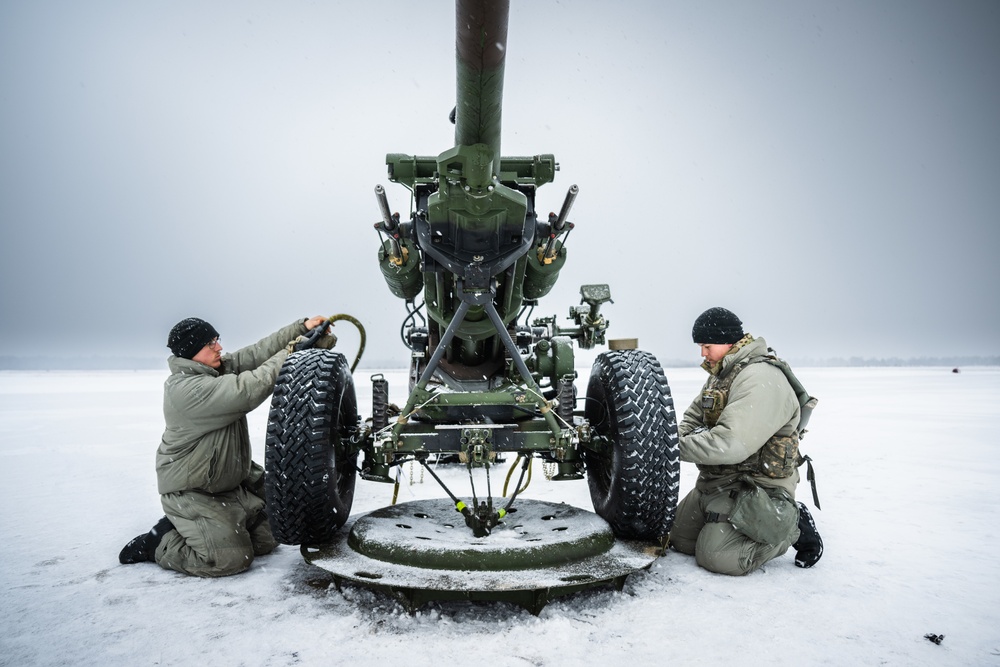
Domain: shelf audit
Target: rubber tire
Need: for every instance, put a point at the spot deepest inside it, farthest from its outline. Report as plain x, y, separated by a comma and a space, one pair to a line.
309, 479
634, 487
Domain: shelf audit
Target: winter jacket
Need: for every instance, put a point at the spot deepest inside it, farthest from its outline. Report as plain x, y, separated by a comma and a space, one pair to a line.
206, 443
760, 404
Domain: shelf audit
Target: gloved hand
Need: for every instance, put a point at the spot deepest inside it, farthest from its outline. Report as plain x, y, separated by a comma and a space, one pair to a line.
326, 342
291, 344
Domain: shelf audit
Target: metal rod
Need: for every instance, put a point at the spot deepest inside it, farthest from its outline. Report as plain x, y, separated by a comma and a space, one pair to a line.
567, 205
388, 224
432, 365
522, 368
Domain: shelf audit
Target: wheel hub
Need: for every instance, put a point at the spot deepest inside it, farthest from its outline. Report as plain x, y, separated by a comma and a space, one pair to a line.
422, 551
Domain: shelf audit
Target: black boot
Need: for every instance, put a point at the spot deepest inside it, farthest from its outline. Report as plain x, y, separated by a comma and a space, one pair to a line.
809, 547
143, 547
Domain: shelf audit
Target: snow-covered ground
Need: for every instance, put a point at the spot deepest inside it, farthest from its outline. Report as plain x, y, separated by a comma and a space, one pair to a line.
907, 468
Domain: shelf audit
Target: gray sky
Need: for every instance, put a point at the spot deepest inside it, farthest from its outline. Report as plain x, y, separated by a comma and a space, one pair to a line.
828, 170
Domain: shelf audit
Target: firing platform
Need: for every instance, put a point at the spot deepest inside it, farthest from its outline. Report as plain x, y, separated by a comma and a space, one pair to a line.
422, 550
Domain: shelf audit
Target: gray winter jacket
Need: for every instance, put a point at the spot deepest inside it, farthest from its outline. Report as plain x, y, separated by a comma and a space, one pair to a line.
760, 404
206, 444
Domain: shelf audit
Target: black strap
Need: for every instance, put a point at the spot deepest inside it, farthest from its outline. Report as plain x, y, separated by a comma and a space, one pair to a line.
716, 517
811, 476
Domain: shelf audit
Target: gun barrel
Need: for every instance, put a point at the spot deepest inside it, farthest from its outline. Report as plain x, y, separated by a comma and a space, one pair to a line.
481, 48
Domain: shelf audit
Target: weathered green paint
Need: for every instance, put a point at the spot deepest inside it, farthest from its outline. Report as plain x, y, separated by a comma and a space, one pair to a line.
538, 547
481, 49
482, 251
413, 170
530, 566
404, 279
541, 277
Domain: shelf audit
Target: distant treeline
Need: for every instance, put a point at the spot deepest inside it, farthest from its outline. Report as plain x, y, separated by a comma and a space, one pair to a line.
895, 361
806, 362
11, 363
858, 362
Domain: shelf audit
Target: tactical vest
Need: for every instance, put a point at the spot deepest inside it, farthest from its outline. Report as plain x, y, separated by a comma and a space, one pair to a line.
779, 457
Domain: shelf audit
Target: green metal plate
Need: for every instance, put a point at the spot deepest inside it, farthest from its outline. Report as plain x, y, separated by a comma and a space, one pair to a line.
422, 551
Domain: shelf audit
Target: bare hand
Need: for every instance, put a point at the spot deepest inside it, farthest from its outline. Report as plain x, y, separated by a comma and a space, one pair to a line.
314, 322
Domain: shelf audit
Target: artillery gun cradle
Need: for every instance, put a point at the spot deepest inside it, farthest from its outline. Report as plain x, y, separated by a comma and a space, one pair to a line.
484, 380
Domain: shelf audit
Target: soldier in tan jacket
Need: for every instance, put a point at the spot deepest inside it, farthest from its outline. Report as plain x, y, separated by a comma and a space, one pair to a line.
210, 488
742, 432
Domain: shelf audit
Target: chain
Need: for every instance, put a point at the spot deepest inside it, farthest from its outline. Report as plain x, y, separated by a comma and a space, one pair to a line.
421, 481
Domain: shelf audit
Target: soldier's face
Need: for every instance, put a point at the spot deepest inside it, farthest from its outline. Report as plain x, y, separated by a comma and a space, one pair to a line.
713, 352
210, 355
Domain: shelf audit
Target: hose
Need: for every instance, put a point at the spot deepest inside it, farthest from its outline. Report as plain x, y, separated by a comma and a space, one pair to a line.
510, 473
361, 330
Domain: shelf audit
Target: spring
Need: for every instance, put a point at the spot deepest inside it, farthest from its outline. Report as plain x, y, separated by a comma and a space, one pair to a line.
380, 402
567, 400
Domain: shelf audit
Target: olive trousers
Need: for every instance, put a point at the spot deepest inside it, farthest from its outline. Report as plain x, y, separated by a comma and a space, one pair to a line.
215, 534
701, 528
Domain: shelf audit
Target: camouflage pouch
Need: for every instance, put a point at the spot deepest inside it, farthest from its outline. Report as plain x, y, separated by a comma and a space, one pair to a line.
779, 457
712, 403
766, 518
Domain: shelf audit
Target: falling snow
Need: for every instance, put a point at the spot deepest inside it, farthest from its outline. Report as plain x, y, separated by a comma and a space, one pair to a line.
907, 474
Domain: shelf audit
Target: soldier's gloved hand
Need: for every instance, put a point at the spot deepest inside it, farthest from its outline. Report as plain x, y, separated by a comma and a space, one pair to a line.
291, 345
326, 342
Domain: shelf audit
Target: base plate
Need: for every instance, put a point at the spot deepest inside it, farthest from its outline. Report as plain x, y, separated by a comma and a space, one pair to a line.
422, 551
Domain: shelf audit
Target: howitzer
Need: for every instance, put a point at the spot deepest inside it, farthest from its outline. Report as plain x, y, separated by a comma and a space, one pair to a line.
484, 380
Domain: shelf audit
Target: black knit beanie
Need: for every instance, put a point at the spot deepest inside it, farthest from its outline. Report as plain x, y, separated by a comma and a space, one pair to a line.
188, 337
717, 326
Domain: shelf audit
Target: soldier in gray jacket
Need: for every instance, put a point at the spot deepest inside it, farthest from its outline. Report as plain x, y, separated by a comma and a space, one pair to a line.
210, 488
742, 432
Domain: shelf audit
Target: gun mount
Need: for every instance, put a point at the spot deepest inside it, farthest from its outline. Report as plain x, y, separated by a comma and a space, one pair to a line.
484, 378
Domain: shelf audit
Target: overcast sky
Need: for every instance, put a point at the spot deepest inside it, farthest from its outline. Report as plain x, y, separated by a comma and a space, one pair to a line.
830, 171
